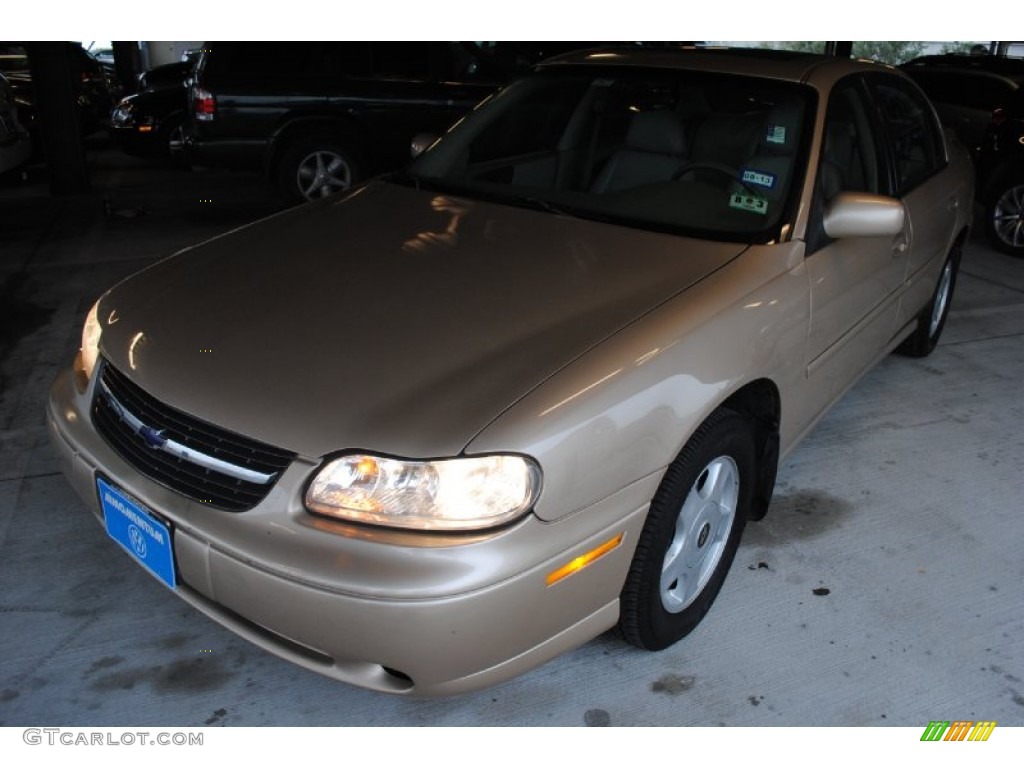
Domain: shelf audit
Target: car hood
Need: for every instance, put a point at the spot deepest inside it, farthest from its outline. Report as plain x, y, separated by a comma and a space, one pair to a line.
394, 320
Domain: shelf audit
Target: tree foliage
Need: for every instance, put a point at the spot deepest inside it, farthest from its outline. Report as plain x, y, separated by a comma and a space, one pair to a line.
889, 52
961, 46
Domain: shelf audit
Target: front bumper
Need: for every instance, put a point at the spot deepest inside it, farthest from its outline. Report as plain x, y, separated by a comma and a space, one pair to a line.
130, 140
391, 611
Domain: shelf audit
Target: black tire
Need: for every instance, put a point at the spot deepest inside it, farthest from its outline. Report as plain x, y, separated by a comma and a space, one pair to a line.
1004, 214
932, 318
690, 530
314, 167
172, 139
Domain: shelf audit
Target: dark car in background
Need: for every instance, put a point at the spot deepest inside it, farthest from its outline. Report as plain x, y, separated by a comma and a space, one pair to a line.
151, 123
94, 86
316, 117
967, 89
1000, 164
15, 144
982, 99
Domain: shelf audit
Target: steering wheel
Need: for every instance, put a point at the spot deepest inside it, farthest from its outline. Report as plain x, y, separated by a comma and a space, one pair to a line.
710, 165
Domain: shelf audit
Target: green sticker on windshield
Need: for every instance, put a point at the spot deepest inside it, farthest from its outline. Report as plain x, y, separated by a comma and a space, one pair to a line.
746, 202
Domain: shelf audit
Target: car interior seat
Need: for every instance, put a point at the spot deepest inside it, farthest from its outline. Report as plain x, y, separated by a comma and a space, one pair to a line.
654, 150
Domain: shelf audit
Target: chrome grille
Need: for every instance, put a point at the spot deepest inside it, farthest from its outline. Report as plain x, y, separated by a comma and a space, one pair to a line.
192, 457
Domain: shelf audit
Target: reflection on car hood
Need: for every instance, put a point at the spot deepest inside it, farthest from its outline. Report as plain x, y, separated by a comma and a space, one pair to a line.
396, 320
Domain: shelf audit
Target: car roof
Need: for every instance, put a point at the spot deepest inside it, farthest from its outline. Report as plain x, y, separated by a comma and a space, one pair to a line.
816, 69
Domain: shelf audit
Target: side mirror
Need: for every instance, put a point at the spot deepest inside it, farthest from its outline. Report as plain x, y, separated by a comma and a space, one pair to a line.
421, 142
859, 214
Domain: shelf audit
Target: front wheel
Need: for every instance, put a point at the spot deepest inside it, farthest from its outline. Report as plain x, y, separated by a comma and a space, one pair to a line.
691, 534
1004, 216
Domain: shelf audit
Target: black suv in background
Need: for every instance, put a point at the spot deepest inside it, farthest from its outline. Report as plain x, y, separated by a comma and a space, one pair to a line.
982, 99
315, 117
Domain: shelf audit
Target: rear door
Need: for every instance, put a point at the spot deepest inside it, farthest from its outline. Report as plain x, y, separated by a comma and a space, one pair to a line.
918, 163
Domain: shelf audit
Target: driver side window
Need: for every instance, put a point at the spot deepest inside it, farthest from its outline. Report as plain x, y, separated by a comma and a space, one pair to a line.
850, 157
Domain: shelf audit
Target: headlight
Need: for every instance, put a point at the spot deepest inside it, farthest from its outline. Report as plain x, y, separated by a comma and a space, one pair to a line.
121, 114
90, 341
452, 494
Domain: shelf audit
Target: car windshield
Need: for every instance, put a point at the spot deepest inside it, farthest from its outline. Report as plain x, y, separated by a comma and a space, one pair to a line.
699, 153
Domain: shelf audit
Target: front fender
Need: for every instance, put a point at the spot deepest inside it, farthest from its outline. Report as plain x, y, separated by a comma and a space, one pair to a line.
624, 410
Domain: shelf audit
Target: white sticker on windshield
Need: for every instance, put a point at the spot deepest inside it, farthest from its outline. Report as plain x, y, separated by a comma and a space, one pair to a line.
759, 178
752, 203
776, 134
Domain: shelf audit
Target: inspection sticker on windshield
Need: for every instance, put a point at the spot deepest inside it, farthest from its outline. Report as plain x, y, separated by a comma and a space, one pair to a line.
776, 134
752, 203
759, 178
140, 534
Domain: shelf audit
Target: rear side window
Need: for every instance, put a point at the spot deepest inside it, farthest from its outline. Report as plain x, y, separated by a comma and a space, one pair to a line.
913, 133
401, 60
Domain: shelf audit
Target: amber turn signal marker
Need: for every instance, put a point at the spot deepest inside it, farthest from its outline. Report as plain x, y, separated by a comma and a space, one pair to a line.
581, 562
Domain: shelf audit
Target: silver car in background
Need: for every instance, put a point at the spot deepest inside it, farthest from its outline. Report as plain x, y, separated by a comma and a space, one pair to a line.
430, 433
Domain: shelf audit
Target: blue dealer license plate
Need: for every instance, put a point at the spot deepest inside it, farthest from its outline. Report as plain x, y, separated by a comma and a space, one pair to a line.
138, 532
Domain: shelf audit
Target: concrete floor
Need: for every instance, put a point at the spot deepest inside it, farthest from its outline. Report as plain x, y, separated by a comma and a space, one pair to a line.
904, 504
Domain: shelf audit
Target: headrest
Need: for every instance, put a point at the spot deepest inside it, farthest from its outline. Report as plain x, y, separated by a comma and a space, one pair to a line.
658, 131
838, 142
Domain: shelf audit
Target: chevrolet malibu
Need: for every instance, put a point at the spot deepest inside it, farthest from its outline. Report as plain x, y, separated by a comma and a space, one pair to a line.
429, 433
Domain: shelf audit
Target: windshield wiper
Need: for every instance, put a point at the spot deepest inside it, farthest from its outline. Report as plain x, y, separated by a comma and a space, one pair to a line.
540, 204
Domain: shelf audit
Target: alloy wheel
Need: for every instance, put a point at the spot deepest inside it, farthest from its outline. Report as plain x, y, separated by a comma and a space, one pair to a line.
322, 173
1008, 216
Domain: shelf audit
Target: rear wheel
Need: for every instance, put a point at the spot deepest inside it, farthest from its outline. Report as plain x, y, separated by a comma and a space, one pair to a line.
316, 167
932, 319
691, 534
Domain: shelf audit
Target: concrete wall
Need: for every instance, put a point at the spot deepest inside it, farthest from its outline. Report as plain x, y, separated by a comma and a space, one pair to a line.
155, 53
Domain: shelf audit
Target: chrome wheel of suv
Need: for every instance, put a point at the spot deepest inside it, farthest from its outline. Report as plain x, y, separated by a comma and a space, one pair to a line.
1006, 218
